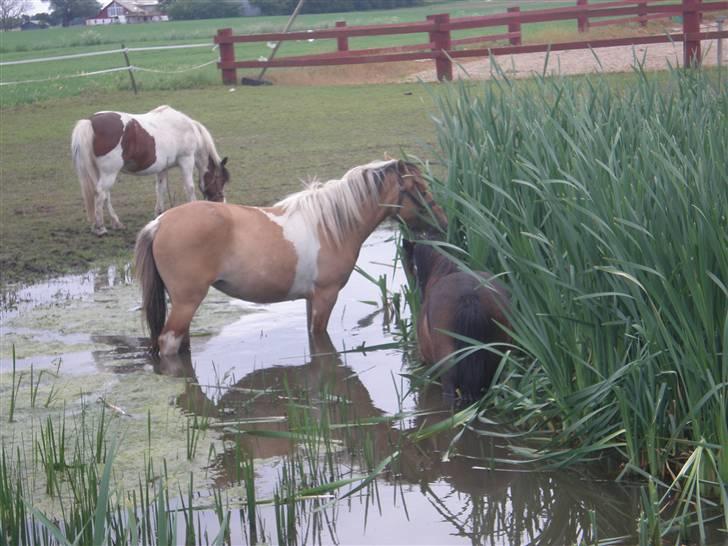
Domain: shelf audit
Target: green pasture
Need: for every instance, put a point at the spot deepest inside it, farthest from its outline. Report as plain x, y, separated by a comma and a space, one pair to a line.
180, 69
274, 136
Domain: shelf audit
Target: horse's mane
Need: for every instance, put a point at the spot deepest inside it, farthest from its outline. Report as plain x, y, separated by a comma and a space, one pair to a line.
429, 262
208, 147
203, 135
337, 204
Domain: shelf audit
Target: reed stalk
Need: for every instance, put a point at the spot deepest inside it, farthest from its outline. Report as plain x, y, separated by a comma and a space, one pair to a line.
605, 208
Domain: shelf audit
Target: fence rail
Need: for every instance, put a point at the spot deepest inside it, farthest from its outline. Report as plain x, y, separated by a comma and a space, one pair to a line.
441, 47
124, 51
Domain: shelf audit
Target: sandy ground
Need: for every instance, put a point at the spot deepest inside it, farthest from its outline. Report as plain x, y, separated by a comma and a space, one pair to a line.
583, 61
580, 61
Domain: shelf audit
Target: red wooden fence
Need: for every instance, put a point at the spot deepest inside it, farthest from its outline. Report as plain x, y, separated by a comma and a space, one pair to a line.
441, 47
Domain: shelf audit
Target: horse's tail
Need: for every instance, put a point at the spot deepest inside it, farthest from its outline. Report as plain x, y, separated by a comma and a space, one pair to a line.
83, 159
473, 372
154, 304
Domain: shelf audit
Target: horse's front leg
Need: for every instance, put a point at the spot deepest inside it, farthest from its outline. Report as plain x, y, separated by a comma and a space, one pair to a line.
319, 307
187, 165
159, 208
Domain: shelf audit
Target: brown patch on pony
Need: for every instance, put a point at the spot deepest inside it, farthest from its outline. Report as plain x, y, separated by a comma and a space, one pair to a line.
108, 129
137, 148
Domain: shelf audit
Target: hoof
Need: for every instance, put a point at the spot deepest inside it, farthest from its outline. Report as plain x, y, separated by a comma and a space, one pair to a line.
100, 231
118, 225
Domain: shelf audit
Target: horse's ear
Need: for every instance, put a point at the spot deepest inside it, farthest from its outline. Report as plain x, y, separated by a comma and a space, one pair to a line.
223, 161
403, 168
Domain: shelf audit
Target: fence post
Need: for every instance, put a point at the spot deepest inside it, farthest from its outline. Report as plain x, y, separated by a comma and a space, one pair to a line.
720, 20
642, 4
342, 42
691, 27
131, 70
441, 42
515, 26
227, 55
582, 20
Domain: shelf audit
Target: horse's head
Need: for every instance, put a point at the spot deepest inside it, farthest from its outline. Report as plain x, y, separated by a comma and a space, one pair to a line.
416, 206
423, 262
212, 183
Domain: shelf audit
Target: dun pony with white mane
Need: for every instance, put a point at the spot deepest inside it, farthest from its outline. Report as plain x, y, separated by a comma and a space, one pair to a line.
304, 247
142, 144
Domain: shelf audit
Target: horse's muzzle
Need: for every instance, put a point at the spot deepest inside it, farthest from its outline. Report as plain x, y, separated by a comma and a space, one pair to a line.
216, 197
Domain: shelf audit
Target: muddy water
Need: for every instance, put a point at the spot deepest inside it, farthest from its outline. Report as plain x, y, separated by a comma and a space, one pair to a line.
255, 362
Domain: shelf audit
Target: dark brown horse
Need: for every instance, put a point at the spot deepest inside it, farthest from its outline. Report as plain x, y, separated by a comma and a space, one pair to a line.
304, 247
457, 306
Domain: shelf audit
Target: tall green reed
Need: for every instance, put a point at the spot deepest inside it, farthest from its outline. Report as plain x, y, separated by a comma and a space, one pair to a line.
606, 208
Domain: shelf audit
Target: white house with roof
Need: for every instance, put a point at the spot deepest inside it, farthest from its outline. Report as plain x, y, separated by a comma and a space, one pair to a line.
128, 11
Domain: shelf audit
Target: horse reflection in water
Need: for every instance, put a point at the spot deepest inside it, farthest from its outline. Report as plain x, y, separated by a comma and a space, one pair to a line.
457, 306
497, 504
304, 247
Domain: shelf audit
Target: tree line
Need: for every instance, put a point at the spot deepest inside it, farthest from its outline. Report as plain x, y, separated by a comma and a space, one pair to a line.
208, 9
65, 12
284, 7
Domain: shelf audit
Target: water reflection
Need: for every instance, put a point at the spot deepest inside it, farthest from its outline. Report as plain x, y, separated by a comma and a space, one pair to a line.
260, 372
468, 494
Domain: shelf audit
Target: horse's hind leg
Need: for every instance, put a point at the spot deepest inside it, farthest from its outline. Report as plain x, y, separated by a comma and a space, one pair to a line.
115, 222
175, 335
103, 195
99, 228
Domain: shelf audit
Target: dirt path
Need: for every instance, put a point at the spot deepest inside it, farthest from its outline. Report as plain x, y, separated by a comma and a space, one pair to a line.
583, 61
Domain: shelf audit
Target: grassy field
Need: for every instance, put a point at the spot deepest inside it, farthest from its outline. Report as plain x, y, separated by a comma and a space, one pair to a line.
177, 69
274, 137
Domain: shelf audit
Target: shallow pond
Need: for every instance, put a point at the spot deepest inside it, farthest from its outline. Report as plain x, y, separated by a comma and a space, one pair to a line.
252, 378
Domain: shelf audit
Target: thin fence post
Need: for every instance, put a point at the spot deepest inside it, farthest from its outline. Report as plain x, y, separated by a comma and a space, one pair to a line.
642, 4
227, 55
441, 43
342, 42
720, 20
582, 20
131, 70
515, 25
691, 27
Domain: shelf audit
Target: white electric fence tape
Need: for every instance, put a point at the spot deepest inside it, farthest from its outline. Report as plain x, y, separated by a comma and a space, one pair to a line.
108, 70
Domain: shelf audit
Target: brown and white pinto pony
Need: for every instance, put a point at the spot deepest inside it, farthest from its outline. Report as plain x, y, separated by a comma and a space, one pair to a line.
142, 144
303, 247
471, 305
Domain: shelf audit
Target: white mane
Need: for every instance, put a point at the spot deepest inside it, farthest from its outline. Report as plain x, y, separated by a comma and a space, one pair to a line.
206, 144
207, 147
337, 204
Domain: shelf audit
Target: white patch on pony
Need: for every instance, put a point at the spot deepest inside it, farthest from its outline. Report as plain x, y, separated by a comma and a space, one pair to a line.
306, 243
169, 343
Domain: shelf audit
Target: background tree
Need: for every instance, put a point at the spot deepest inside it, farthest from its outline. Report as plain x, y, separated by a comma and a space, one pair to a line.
65, 11
10, 12
201, 9
285, 7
